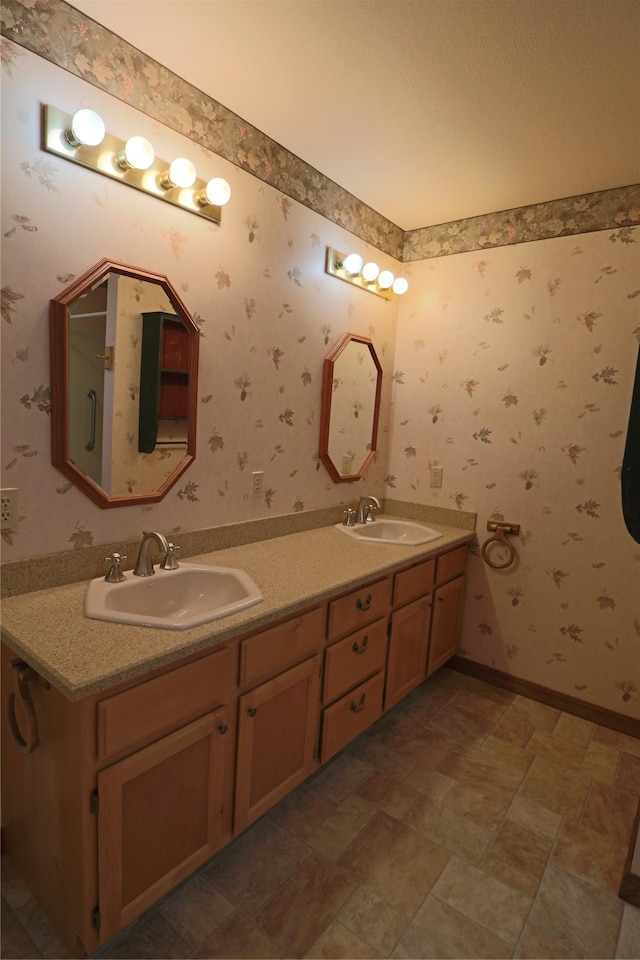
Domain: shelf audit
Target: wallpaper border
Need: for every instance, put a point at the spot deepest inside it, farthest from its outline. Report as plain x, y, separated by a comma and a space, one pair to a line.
64, 36
617, 208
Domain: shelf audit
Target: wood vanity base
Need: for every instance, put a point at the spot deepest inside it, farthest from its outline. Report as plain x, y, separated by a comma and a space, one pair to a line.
130, 790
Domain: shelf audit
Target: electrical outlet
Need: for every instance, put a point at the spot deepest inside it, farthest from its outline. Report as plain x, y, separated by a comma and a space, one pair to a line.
257, 479
435, 476
9, 509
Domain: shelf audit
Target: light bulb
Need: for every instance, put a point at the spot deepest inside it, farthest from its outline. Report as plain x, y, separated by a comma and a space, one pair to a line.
385, 279
370, 271
181, 173
353, 263
138, 154
217, 192
400, 285
87, 129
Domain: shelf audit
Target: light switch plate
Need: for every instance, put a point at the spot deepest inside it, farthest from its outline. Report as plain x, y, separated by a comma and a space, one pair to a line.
435, 476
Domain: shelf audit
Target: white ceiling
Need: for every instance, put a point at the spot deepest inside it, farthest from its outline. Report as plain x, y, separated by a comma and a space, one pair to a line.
427, 110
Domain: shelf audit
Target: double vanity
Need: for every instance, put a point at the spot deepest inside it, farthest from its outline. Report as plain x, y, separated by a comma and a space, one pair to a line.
152, 715
137, 752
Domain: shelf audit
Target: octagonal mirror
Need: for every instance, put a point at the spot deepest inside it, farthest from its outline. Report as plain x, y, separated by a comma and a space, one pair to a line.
124, 371
351, 390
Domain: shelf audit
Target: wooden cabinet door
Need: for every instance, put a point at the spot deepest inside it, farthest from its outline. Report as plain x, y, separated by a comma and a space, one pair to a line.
447, 622
277, 734
408, 645
159, 818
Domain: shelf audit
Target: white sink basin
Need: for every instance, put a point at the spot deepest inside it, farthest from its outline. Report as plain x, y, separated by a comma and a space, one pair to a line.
404, 532
172, 599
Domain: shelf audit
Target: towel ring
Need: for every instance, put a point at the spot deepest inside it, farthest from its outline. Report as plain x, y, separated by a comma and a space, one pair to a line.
23, 675
500, 531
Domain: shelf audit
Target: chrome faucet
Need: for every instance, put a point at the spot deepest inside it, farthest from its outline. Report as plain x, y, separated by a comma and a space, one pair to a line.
364, 513
144, 565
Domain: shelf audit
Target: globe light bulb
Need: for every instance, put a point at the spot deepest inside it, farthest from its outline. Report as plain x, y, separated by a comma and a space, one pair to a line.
87, 129
353, 263
385, 279
217, 192
181, 173
400, 286
138, 154
370, 271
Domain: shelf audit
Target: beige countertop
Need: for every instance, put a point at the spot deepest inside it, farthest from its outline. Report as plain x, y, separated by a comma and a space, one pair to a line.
80, 657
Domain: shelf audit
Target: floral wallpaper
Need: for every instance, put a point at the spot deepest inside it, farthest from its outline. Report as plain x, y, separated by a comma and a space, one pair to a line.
62, 34
509, 362
255, 285
514, 372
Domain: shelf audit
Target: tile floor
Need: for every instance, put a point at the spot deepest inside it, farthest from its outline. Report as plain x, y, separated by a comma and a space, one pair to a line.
468, 822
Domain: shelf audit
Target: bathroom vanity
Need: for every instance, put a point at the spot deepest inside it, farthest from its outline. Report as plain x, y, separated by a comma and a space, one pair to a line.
156, 748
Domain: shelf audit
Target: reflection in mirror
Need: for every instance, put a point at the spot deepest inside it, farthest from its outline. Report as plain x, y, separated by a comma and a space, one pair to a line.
124, 355
351, 391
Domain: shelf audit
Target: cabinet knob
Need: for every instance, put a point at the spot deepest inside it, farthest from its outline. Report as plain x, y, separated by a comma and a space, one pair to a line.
252, 711
358, 708
440, 599
366, 605
223, 728
363, 646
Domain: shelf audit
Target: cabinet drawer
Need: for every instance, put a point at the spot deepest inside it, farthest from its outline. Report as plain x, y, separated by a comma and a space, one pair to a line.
349, 661
452, 564
348, 717
280, 647
159, 704
356, 609
413, 583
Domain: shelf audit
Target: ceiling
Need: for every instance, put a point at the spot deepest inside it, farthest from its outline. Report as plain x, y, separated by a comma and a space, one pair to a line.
427, 110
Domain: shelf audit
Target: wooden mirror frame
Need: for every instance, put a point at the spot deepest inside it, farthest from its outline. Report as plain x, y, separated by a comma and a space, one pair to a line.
59, 355
327, 398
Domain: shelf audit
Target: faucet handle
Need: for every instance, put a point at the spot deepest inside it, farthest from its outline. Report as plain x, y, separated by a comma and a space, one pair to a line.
349, 517
115, 574
170, 562
369, 511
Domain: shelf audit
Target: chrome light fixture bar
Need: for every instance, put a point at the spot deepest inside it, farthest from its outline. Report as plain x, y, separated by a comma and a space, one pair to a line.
63, 135
367, 276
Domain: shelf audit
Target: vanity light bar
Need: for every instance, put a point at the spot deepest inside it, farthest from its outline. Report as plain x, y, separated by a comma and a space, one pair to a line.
108, 158
368, 276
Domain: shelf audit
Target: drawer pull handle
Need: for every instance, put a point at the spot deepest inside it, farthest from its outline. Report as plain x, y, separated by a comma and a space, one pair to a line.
252, 711
223, 728
358, 708
364, 606
362, 648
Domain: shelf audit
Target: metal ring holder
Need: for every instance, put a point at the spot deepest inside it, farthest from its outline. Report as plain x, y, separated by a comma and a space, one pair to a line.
500, 531
22, 675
